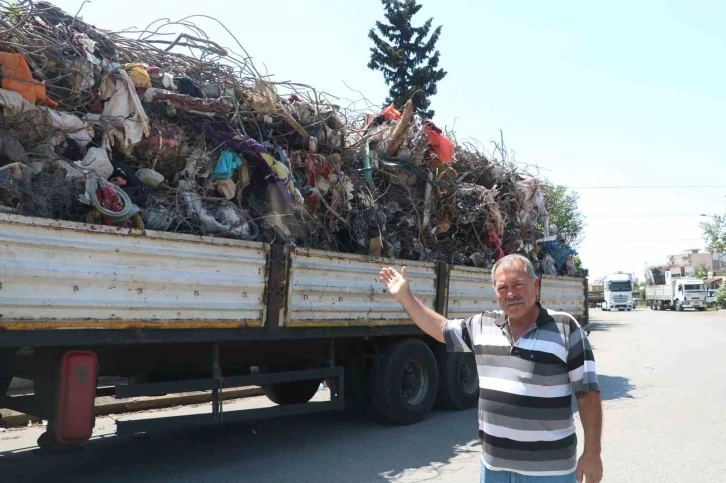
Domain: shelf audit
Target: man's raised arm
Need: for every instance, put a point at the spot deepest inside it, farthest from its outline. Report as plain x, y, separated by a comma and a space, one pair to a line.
428, 320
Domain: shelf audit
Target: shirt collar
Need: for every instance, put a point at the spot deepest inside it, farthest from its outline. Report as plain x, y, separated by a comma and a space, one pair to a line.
544, 316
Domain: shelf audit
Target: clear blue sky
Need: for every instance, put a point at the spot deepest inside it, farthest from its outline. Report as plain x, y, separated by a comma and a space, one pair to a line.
618, 94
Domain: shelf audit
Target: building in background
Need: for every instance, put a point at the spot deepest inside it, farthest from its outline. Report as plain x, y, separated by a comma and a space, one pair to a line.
693, 259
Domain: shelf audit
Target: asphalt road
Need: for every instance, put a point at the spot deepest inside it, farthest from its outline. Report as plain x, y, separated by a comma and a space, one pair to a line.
663, 376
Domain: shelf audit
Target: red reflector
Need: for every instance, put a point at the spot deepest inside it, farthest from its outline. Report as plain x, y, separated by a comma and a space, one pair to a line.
77, 397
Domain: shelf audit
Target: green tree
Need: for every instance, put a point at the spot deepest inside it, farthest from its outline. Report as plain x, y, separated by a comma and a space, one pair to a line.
408, 59
721, 296
581, 272
701, 271
714, 234
562, 205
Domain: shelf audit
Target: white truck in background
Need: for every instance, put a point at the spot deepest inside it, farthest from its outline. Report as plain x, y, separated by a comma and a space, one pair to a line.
617, 292
677, 293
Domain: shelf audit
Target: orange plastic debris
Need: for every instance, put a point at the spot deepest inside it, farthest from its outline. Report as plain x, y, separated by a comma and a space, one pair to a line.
17, 77
390, 113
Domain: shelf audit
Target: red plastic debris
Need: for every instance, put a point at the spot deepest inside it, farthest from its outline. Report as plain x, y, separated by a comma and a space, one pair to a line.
494, 241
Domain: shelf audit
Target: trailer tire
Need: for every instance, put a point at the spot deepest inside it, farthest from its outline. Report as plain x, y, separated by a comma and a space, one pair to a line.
458, 380
286, 393
404, 382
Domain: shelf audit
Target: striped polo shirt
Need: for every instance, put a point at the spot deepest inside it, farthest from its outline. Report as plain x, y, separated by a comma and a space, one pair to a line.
525, 389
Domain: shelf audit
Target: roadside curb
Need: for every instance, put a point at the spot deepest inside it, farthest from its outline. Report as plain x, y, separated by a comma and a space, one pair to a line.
107, 405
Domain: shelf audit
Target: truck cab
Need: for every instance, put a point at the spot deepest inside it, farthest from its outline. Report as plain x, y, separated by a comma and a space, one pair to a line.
618, 292
689, 293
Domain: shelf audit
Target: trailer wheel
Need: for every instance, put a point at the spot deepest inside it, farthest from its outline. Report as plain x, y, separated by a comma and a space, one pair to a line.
286, 393
458, 379
404, 382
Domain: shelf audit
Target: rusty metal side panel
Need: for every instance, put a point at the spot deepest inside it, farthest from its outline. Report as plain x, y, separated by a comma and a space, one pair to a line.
335, 290
564, 294
470, 292
70, 275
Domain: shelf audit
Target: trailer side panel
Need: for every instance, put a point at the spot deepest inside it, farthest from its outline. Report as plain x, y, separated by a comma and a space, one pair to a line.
65, 275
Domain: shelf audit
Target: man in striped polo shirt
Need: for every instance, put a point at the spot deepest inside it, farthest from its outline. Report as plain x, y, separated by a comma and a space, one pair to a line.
530, 361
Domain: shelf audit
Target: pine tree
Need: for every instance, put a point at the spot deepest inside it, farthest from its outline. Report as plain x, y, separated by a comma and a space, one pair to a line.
409, 63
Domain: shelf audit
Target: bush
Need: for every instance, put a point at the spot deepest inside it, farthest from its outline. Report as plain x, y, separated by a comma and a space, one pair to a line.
721, 297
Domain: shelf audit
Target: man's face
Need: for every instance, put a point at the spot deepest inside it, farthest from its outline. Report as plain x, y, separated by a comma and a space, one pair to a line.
516, 292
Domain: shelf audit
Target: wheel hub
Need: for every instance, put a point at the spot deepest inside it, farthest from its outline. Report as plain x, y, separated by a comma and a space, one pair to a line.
468, 375
413, 383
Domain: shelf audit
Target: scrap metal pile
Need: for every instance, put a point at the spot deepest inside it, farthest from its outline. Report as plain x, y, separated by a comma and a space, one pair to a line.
148, 131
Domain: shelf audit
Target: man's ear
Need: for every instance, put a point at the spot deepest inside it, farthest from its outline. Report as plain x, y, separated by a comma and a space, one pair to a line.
537, 282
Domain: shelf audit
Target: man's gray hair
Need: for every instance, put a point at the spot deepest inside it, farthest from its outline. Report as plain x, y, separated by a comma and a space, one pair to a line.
510, 261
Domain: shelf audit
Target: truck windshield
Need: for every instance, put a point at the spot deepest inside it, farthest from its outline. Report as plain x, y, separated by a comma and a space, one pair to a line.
620, 286
694, 287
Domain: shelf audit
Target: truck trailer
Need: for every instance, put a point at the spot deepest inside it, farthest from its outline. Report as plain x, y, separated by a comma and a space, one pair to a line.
677, 293
178, 313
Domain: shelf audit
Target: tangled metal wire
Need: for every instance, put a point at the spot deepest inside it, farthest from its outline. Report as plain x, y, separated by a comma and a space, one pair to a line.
312, 170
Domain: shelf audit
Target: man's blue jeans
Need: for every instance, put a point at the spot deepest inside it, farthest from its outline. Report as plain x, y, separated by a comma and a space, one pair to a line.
489, 476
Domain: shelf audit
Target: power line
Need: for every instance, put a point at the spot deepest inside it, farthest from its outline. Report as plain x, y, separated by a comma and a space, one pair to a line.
652, 187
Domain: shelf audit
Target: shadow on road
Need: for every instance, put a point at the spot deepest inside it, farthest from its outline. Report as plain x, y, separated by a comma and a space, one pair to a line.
614, 387
601, 325
611, 388
322, 448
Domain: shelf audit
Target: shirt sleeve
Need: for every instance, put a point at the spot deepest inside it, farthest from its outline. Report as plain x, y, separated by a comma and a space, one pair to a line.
581, 363
457, 335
